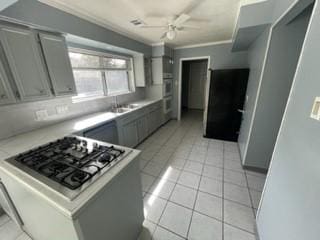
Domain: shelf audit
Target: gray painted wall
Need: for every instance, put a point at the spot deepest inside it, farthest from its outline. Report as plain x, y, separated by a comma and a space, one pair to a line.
221, 57
282, 58
19, 118
256, 56
35, 12
290, 204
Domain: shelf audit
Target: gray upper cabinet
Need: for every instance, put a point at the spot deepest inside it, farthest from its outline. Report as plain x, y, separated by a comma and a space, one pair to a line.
162, 68
6, 95
24, 57
167, 66
157, 71
58, 63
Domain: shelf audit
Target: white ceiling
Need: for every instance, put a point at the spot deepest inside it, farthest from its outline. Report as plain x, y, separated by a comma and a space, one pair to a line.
215, 18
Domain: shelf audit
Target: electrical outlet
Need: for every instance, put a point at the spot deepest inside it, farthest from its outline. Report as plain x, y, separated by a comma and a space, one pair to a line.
63, 109
41, 115
315, 113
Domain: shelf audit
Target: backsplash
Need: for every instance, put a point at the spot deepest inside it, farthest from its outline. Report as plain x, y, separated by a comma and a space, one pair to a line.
19, 118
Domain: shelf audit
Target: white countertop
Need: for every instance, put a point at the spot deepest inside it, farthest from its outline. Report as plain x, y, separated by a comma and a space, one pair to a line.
23, 142
20, 143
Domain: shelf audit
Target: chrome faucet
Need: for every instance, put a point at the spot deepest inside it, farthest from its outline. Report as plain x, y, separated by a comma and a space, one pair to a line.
115, 104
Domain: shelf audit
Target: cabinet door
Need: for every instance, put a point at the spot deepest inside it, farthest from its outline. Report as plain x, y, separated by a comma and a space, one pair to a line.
58, 63
153, 121
167, 66
157, 73
142, 126
159, 117
148, 71
6, 95
106, 133
26, 63
130, 134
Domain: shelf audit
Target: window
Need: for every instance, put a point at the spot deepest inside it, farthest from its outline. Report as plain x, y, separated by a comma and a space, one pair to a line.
98, 74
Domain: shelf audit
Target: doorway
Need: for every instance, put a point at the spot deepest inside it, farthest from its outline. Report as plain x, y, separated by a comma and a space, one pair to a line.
193, 82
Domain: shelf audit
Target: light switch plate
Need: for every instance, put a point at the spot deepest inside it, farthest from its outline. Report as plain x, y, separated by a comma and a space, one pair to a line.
41, 115
315, 113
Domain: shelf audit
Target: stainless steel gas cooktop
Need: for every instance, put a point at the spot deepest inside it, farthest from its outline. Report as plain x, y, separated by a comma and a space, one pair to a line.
69, 165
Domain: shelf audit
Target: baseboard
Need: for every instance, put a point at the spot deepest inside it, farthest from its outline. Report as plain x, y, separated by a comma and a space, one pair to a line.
255, 169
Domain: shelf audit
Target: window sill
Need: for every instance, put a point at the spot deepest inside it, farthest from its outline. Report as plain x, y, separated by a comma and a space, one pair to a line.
77, 99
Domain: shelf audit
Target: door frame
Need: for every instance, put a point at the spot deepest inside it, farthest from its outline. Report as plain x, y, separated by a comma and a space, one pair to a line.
181, 60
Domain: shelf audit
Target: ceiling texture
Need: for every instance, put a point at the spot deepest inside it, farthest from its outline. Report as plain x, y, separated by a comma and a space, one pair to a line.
215, 19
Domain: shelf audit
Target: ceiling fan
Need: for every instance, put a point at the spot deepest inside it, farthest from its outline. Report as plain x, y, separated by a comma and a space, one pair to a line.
174, 25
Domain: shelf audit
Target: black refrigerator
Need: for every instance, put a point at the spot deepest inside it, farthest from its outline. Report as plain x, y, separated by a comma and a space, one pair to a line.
225, 102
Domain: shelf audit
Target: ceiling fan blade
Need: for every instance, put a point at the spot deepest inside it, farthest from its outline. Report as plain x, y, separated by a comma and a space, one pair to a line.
164, 35
182, 18
149, 26
185, 27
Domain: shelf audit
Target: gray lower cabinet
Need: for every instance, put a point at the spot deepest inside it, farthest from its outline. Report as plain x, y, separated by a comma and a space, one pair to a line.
24, 57
130, 134
105, 133
58, 64
135, 127
154, 119
6, 95
142, 126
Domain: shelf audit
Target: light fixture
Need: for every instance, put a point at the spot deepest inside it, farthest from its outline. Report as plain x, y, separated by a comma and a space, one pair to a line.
171, 34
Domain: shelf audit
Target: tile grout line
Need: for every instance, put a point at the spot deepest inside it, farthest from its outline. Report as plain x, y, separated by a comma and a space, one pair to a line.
161, 146
167, 200
252, 206
158, 223
201, 176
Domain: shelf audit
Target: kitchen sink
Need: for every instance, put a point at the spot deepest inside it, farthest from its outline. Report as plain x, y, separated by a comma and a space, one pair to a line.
120, 110
131, 106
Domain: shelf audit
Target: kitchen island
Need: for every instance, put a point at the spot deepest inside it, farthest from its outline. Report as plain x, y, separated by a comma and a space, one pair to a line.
109, 207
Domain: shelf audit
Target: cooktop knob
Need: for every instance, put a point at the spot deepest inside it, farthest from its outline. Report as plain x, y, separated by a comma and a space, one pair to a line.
104, 158
95, 145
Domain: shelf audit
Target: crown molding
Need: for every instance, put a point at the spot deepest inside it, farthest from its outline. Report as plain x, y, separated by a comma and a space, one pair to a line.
96, 20
205, 44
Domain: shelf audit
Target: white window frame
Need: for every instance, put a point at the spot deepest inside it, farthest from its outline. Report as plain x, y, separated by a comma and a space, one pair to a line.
129, 69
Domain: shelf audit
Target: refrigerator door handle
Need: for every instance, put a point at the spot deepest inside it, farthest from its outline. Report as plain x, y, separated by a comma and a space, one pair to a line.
8, 206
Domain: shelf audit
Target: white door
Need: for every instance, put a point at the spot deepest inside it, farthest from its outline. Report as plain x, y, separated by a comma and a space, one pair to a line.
197, 81
56, 55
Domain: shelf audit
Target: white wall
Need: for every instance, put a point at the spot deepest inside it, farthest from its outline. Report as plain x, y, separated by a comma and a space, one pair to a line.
197, 81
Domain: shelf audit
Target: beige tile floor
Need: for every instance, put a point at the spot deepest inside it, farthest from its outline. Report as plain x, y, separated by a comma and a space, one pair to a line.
194, 188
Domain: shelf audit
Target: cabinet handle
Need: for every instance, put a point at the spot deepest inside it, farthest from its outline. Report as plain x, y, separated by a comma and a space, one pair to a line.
41, 91
3, 96
69, 89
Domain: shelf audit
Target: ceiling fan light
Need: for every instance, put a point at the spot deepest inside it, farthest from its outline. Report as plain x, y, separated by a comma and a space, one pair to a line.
171, 34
